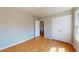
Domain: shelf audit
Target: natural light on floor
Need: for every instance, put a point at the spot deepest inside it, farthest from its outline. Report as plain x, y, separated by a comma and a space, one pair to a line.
57, 49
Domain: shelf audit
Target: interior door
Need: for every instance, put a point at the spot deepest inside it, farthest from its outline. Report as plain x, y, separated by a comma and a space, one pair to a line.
37, 28
61, 28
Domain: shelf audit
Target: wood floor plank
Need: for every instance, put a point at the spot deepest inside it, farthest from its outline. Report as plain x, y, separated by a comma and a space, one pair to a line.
41, 44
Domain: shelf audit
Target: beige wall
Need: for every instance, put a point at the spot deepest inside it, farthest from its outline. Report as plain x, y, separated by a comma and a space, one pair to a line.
15, 26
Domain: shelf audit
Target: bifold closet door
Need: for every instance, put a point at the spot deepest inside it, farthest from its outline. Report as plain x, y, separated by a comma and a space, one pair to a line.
61, 28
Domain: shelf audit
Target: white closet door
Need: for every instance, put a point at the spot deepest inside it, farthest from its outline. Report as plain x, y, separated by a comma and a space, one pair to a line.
61, 28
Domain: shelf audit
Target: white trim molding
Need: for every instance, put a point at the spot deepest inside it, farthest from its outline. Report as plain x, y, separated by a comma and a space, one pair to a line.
16, 43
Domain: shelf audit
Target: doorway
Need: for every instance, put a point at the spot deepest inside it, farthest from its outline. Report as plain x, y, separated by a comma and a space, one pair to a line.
42, 28
39, 28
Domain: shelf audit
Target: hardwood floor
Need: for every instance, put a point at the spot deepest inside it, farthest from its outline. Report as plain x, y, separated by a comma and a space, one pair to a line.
41, 44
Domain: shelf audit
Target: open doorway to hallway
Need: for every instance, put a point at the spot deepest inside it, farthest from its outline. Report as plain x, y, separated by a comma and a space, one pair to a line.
39, 27
42, 28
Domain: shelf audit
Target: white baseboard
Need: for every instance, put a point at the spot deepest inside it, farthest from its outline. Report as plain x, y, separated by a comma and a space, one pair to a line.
16, 43
58, 40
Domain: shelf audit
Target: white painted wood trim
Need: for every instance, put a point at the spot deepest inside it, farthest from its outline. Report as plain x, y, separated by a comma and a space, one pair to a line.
16, 43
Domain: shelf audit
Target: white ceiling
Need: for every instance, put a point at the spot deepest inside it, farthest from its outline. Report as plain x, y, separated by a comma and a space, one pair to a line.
43, 11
